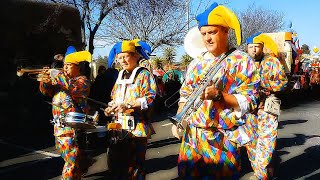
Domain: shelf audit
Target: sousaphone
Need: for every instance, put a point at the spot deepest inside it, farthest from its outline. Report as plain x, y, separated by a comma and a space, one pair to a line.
193, 43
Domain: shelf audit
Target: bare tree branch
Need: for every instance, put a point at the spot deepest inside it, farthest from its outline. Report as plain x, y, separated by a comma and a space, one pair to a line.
161, 22
93, 13
256, 19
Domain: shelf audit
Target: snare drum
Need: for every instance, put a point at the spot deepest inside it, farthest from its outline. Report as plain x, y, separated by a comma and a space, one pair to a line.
77, 120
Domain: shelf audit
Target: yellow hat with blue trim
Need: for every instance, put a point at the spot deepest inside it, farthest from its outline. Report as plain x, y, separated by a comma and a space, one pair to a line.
128, 46
77, 57
267, 41
135, 45
221, 16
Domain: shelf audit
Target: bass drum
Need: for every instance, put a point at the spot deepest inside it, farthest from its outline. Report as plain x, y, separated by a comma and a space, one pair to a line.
78, 121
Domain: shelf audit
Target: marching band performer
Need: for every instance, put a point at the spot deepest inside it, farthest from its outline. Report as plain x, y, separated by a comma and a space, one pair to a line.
68, 90
132, 96
206, 151
272, 79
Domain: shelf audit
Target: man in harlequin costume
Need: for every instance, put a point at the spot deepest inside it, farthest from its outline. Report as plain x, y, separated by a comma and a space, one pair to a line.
206, 151
68, 90
272, 80
132, 97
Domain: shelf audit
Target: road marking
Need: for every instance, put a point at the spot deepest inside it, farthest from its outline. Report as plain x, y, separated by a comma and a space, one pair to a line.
31, 158
168, 124
45, 153
9, 169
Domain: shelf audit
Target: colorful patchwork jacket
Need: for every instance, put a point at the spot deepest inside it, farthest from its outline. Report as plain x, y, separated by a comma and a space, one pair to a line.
68, 95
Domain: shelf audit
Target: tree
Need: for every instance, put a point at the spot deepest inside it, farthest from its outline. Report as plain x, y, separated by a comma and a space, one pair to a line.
257, 19
158, 22
157, 62
92, 13
169, 54
185, 60
305, 49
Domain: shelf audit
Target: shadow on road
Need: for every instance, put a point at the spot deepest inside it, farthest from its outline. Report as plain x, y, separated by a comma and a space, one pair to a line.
164, 142
293, 168
158, 164
34, 170
298, 140
282, 124
301, 165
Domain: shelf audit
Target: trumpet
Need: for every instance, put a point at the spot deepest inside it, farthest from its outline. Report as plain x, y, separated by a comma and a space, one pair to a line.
180, 119
32, 72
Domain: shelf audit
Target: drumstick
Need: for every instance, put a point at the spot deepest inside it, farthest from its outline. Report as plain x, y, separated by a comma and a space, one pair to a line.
97, 102
101, 103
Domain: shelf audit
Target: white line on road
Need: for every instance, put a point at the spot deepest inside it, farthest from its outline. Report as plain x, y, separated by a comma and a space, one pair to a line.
29, 159
168, 124
45, 153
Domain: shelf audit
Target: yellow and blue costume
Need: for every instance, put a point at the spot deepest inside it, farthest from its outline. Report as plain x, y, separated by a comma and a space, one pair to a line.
140, 86
69, 96
206, 151
273, 79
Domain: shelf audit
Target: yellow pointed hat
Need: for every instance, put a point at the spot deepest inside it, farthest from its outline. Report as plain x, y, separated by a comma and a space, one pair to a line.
135, 45
77, 57
221, 16
267, 41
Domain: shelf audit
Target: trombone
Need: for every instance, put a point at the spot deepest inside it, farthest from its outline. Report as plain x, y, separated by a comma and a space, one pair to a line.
173, 103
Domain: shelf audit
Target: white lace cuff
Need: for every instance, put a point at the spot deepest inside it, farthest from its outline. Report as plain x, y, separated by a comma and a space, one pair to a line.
143, 103
182, 100
243, 105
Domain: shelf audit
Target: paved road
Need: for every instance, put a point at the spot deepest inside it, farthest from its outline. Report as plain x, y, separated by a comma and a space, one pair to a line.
298, 150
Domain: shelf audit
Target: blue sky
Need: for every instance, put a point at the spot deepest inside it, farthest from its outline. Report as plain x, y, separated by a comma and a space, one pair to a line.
304, 15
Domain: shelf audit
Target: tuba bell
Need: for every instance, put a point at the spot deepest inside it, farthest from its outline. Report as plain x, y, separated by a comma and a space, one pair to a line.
194, 47
193, 43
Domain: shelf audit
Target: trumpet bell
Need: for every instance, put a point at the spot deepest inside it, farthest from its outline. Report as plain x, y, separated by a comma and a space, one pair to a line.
193, 43
19, 73
179, 121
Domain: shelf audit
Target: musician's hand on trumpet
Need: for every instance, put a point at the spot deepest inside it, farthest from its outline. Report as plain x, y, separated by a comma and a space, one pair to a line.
211, 93
48, 76
177, 132
44, 76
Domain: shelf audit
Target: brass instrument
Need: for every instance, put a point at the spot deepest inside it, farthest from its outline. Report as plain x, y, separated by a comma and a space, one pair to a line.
169, 98
32, 73
193, 44
180, 119
22, 71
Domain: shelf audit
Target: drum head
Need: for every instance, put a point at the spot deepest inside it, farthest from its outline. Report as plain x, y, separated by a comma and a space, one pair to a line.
78, 121
78, 125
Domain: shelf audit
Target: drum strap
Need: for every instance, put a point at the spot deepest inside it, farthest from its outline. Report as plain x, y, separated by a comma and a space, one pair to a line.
124, 82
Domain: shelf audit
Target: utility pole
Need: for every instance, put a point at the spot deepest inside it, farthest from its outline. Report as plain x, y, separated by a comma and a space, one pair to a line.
226, 2
188, 11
